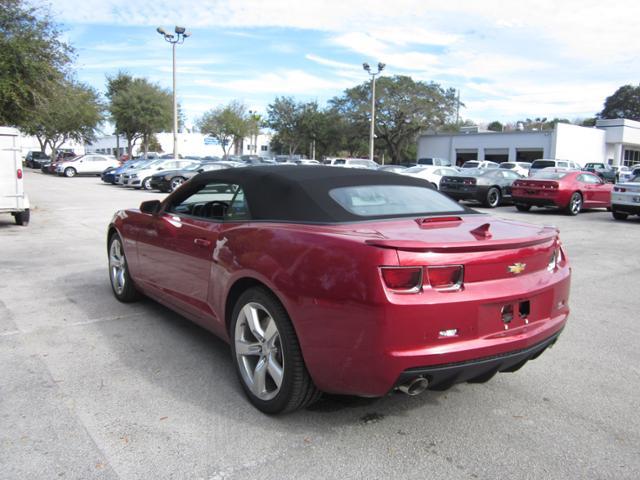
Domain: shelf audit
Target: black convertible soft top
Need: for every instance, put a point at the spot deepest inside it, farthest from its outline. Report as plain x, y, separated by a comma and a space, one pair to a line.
299, 193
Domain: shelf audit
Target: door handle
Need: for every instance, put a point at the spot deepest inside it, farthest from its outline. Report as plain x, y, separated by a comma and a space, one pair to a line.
203, 242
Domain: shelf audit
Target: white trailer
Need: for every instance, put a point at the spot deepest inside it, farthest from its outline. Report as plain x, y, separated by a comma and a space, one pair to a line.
13, 200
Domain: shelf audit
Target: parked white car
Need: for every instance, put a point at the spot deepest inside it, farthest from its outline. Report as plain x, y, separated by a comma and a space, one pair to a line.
433, 174
141, 177
625, 199
627, 173
541, 163
479, 164
13, 200
89, 164
352, 163
440, 162
521, 168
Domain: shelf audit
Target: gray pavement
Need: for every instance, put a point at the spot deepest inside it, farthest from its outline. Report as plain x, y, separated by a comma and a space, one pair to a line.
91, 388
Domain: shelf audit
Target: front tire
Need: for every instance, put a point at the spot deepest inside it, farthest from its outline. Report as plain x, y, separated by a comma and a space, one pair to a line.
146, 183
493, 197
22, 218
267, 355
619, 215
121, 283
175, 183
70, 172
523, 208
575, 204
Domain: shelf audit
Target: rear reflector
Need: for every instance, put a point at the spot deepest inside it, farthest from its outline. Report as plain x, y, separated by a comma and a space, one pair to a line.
402, 279
448, 277
19, 174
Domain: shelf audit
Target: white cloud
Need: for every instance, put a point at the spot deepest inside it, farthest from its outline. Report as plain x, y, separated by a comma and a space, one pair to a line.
287, 82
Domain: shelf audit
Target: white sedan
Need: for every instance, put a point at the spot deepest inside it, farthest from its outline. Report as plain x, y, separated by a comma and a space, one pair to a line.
625, 199
431, 173
86, 165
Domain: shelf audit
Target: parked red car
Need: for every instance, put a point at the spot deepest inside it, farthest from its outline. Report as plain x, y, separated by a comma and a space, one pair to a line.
568, 190
346, 281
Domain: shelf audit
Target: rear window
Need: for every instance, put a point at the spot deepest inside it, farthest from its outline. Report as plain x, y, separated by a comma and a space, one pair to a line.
425, 161
508, 166
471, 164
549, 175
382, 200
542, 164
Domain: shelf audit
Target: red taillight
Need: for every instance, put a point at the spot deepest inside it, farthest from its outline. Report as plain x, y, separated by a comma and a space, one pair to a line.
469, 181
19, 173
402, 279
449, 277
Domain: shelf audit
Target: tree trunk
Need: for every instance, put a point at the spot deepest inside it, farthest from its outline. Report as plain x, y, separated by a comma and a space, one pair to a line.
43, 143
130, 146
145, 144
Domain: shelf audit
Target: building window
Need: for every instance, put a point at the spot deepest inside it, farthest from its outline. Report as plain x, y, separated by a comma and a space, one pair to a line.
631, 157
264, 148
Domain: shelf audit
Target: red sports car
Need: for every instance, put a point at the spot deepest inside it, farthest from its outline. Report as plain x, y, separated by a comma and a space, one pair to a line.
568, 190
346, 281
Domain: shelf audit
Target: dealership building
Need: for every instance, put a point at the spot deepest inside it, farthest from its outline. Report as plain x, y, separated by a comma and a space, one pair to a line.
616, 142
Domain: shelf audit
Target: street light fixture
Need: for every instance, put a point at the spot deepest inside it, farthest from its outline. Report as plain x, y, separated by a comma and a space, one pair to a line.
178, 38
367, 68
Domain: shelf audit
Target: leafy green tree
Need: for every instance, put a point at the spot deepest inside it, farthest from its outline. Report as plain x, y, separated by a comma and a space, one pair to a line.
33, 60
624, 103
138, 108
73, 113
284, 116
404, 107
228, 124
495, 126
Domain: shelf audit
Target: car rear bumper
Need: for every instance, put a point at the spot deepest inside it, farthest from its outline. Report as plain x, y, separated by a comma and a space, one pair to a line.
626, 208
473, 193
536, 202
441, 377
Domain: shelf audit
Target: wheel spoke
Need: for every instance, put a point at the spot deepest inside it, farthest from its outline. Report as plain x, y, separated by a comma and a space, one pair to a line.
275, 371
247, 348
253, 322
271, 331
259, 377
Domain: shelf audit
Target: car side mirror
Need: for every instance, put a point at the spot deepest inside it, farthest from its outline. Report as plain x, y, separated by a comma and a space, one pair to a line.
159, 168
150, 206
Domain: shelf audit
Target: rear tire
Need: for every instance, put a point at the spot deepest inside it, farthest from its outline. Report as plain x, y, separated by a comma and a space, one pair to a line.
493, 197
22, 218
619, 215
523, 208
575, 204
175, 183
267, 355
146, 183
121, 282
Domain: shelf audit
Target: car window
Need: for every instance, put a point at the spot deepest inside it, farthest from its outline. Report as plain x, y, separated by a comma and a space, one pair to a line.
587, 178
339, 161
238, 209
380, 200
542, 164
211, 202
563, 164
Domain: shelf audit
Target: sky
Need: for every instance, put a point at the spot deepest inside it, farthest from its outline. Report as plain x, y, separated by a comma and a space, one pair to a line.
510, 60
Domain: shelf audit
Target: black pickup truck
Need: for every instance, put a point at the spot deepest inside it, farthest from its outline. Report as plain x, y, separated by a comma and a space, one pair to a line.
604, 171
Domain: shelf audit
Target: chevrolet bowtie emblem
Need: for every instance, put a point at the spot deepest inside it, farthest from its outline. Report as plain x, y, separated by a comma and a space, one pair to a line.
517, 268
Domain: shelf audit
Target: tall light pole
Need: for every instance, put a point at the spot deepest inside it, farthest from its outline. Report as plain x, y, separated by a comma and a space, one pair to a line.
367, 68
178, 38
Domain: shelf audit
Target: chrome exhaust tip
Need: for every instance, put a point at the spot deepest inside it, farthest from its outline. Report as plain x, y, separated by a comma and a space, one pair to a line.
414, 386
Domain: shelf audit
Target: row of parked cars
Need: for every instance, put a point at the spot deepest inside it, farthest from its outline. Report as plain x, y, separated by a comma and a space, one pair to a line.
551, 184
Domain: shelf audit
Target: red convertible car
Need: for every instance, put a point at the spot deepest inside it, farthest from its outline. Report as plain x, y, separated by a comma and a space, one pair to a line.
346, 281
569, 190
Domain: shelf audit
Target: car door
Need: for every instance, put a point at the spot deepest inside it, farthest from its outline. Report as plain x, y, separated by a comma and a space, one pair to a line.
176, 248
588, 186
602, 191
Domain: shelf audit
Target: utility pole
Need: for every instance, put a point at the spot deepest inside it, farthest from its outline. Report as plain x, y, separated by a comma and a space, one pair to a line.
367, 68
458, 108
178, 38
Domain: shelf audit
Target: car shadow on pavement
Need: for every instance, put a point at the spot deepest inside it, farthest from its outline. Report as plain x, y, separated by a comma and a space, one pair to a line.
158, 347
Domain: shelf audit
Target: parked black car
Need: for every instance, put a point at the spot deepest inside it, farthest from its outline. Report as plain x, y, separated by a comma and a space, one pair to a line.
491, 187
169, 180
34, 159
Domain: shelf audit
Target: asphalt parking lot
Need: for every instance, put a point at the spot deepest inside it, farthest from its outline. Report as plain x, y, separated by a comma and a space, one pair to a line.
91, 388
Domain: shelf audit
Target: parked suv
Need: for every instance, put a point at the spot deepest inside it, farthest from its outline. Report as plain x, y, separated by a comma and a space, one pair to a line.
479, 164
550, 162
440, 162
35, 159
86, 165
604, 171
521, 168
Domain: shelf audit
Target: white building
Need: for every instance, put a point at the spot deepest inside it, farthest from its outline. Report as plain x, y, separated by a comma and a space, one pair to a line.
616, 142
196, 144
28, 143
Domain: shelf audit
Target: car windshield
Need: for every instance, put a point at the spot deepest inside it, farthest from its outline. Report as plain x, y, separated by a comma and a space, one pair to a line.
425, 161
507, 165
471, 164
381, 200
543, 164
549, 175
414, 169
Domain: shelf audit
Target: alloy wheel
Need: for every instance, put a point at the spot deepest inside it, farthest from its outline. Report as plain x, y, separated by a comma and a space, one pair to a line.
575, 204
176, 182
117, 266
259, 352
